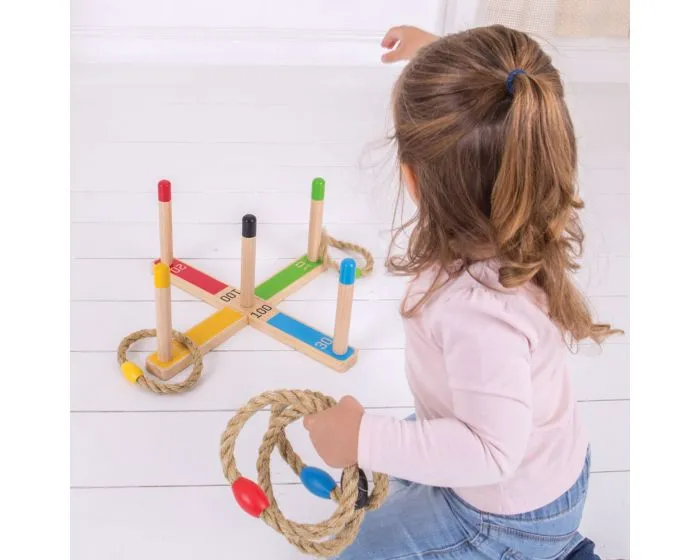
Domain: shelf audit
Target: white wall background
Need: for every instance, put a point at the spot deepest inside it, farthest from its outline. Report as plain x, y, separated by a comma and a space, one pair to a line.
305, 32
302, 32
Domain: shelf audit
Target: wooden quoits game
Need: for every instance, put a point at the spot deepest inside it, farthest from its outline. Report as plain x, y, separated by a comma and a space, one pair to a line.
256, 306
250, 305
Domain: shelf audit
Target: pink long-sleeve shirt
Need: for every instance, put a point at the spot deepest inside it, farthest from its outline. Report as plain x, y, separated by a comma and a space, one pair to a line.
496, 417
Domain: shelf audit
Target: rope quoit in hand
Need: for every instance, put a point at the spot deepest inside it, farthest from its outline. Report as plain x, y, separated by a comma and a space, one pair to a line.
135, 374
328, 241
324, 539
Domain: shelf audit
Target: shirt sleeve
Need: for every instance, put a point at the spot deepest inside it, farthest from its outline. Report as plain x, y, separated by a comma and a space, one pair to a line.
487, 362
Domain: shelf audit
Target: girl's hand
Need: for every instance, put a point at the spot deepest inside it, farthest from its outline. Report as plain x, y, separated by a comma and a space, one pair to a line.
409, 40
335, 432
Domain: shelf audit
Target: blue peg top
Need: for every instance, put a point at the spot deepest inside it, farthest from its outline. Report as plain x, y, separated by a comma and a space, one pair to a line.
347, 271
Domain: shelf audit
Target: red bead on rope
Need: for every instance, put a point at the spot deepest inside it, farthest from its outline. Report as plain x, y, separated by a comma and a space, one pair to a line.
250, 496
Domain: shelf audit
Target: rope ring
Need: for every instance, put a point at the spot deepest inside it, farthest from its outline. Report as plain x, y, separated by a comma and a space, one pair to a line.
329, 241
324, 539
135, 374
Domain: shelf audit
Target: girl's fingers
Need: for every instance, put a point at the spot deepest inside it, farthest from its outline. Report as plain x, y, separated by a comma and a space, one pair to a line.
404, 41
389, 43
308, 421
394, 56
391, 37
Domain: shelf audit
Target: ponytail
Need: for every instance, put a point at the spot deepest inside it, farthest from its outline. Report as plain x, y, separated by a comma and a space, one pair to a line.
480, 120
535, 205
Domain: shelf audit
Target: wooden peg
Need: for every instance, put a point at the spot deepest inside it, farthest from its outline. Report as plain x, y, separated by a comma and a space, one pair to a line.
343, 311
164, 326
165, 221
318, 190
248, 261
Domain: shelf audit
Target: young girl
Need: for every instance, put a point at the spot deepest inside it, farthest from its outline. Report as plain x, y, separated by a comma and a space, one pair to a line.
495, 465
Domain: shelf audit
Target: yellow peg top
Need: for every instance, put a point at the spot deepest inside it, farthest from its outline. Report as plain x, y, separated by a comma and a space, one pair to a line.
161, 275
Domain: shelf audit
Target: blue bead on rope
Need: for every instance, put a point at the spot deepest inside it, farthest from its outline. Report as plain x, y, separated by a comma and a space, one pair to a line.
511, 76
317, 481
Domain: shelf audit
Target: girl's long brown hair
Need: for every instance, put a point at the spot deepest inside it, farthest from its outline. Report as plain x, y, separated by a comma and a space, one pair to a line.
495, 170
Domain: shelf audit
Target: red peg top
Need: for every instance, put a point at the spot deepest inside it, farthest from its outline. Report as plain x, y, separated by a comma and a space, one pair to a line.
164, 191
250, 496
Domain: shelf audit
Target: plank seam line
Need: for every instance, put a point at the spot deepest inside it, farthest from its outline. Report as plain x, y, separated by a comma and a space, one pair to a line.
374, 300
231, 410
129, 487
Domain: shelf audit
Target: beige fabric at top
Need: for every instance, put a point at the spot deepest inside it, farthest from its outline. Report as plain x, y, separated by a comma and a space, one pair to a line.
593, 18
563, 18
536, 17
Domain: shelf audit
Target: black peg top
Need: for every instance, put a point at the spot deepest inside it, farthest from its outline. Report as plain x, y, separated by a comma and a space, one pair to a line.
249, 225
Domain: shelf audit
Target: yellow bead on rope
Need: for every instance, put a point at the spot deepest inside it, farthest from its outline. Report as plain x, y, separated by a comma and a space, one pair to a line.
134, 374
131, 371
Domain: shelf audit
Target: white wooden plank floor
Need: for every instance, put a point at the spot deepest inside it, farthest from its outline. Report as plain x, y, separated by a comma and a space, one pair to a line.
146, 480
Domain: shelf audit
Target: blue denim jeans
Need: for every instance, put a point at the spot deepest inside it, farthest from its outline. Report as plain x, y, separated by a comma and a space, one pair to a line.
425, 522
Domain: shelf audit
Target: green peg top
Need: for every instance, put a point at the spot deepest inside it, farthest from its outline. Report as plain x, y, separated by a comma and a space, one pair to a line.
318, 189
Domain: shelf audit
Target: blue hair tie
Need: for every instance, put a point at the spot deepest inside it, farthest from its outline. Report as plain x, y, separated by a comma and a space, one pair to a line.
511, 76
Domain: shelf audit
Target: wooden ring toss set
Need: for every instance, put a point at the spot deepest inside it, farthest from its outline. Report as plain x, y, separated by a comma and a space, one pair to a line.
257, 306
250, 305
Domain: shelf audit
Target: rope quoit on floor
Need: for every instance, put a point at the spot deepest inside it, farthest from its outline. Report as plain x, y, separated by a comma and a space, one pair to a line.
328, 241
135, 374
324, 539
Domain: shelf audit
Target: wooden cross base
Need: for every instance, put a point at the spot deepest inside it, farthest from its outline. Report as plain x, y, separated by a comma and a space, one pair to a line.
231, 317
